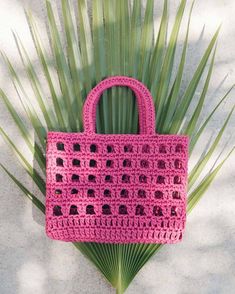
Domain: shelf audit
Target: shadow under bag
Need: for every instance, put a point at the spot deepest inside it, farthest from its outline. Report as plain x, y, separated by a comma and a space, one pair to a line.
113, 188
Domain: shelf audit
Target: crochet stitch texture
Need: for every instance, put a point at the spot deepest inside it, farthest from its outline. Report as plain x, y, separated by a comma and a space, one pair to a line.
114, 188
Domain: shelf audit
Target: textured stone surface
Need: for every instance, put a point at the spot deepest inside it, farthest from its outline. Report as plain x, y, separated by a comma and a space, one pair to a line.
203, 263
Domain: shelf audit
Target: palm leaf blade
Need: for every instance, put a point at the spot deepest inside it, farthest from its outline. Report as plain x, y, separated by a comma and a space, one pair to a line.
189, 93
27, 193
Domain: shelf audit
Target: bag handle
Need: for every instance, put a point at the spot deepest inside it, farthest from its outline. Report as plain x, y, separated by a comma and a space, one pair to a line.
144, 100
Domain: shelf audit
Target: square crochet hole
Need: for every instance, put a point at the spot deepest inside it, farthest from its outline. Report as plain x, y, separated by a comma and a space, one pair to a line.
93, 148
124, 193
142, 179
122, 209
125, 178
93, 163
179, 148
58, 192
157, 211
76, 147
158, 194
162, 149
76, 162
73, 210
126, 163
74, 191
110, 148
109, 163
173, 211
178, 164
177, 180
57, 210
161, 164
106, 210
108, 179
59, 162
144, 163
59, 178
75, 178
90, 209
107, 193
160, 180
139, 210
90, 193
146, 148
91, 178
141, 193
176, 195
128, 148
60, 146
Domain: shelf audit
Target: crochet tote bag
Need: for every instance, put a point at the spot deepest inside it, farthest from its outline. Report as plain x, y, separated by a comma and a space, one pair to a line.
116, 188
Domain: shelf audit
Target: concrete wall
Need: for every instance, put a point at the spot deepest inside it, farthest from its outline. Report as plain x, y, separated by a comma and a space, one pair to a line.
204, 263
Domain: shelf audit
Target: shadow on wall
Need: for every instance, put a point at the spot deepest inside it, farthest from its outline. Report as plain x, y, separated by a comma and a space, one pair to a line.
198, 258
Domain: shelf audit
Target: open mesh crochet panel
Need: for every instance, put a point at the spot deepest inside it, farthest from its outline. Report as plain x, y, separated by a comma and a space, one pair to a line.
116, 188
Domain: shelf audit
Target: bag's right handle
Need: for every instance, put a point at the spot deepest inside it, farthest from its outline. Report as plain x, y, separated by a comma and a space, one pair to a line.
144, 100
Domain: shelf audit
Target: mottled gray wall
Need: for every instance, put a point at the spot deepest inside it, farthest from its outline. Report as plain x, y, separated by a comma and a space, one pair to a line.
203, 263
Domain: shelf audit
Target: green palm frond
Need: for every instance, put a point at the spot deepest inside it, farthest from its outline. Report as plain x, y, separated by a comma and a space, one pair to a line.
119, 39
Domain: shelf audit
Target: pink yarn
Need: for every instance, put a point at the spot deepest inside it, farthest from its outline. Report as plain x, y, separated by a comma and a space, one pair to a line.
116, 188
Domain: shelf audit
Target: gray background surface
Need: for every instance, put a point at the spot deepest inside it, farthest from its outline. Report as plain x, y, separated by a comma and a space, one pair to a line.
203, 263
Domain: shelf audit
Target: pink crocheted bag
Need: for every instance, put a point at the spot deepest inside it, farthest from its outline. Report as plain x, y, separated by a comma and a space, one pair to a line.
116, 188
